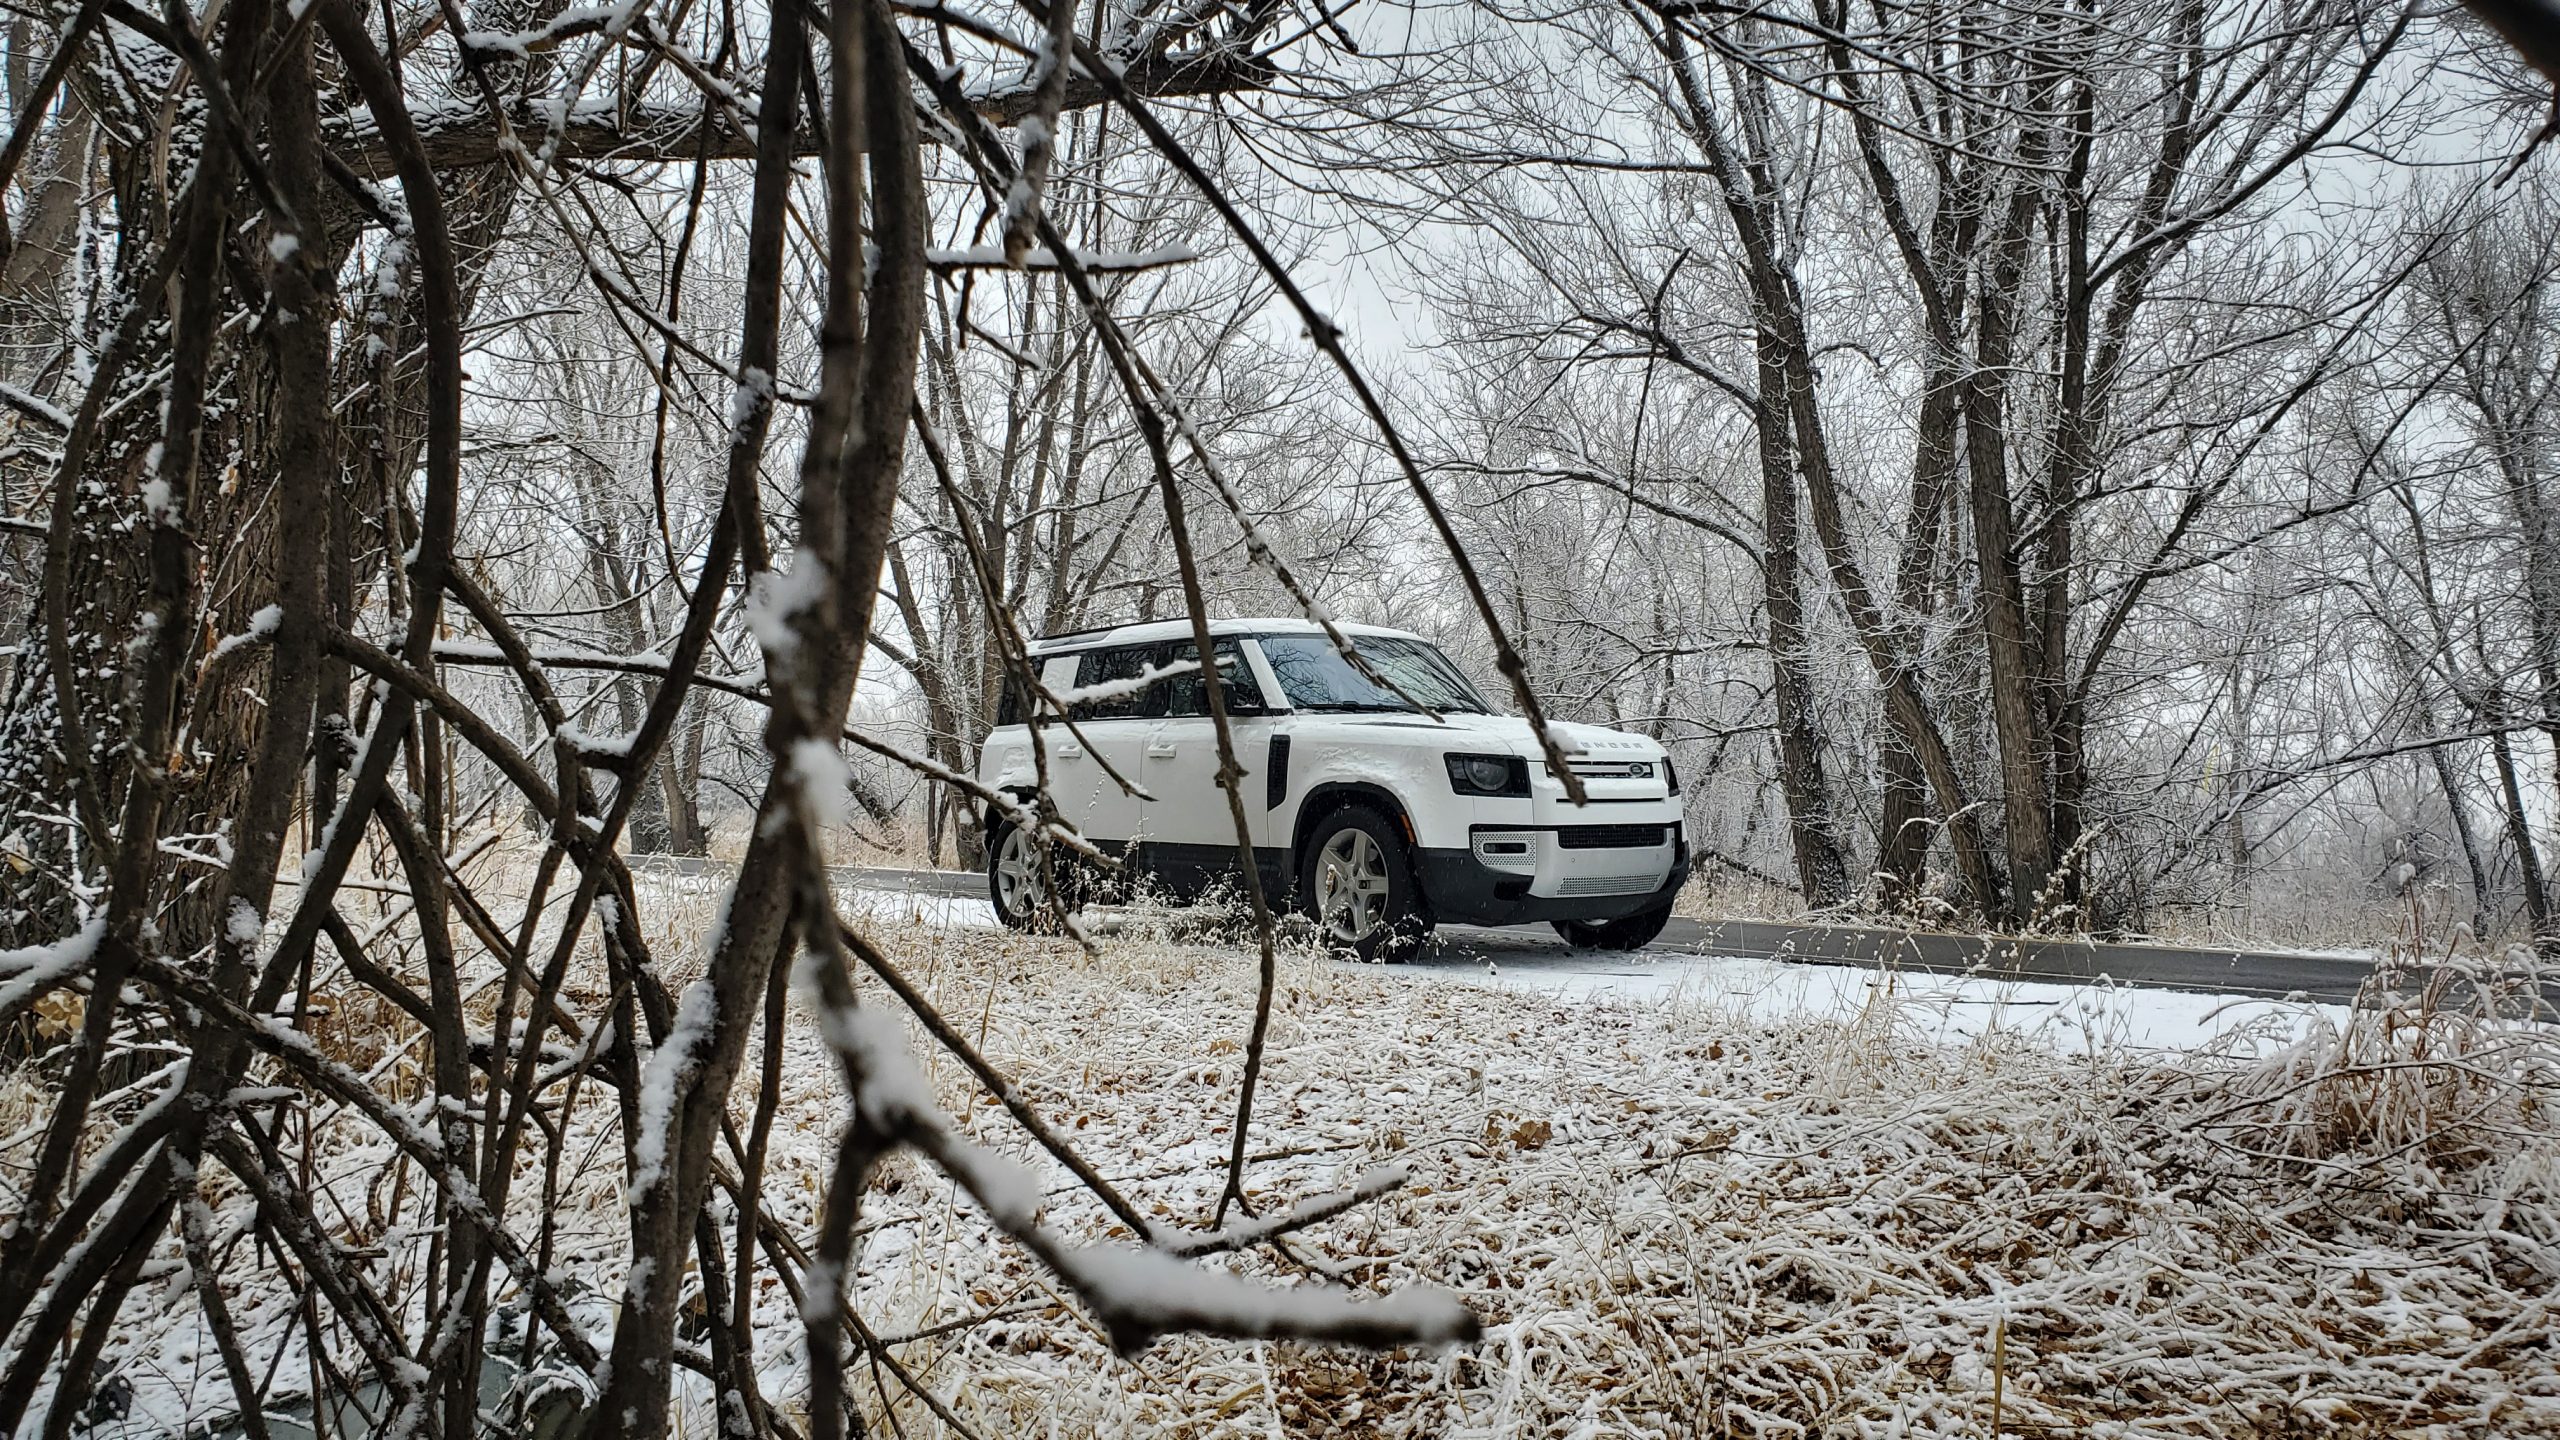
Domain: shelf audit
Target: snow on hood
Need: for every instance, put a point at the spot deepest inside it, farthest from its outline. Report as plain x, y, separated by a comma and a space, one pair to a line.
1597, 740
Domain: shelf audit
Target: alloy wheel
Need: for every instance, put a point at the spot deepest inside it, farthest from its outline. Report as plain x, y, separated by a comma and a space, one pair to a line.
1018, 881
1351, 886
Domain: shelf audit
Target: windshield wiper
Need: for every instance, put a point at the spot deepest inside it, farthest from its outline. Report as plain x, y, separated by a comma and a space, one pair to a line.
1352, 706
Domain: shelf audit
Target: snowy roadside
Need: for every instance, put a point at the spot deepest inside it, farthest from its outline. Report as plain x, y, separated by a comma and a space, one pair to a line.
1948, 1009
1679, 1218
1820, 1210
1710, 1196
2082, 1019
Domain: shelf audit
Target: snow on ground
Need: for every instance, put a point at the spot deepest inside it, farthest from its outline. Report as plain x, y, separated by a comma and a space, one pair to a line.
1766, 1205
2085, 1019
916, 907
1682, 1219
1693, 1196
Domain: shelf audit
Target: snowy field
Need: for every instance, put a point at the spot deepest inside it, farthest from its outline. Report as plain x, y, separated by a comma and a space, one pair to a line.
1745, 1200
1760, 1199
2084, 1019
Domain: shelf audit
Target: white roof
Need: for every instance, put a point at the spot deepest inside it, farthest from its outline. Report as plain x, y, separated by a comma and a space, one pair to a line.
1159, 630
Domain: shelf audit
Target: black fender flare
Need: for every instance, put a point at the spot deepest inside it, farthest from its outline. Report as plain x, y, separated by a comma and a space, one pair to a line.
1323, 801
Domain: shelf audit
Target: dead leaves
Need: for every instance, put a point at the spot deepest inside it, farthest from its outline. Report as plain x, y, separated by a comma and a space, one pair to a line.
1505, 1130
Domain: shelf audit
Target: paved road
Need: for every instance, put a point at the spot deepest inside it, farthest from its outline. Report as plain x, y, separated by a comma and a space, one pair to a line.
2211, 970
2169, 967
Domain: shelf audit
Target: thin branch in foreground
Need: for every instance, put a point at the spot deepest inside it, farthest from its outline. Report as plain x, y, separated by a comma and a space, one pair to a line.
1138, 1293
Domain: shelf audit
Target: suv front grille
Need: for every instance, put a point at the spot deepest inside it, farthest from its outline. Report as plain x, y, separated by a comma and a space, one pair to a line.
1593, 769
1609, 837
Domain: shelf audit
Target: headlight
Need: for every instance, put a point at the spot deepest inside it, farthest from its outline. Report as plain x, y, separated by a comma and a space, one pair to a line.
1488, 774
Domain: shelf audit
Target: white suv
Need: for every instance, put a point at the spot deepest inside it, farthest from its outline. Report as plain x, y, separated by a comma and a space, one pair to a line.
1369, 814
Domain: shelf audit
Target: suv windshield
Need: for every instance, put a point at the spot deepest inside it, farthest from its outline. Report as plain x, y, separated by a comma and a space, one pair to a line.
1315, 676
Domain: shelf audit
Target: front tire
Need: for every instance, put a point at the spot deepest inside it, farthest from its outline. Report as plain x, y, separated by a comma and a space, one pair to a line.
1359, 887
1634, 932
1018, 884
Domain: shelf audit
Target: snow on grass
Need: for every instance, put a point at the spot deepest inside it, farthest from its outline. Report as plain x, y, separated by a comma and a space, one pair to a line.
2087, 1019
915, 907
1700, 1212
1677, 1219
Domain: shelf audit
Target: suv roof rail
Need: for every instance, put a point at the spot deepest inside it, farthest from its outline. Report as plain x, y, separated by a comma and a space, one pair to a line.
1080, 634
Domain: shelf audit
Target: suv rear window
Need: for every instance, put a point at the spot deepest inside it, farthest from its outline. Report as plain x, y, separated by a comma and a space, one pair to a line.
1127, 662
1178, 695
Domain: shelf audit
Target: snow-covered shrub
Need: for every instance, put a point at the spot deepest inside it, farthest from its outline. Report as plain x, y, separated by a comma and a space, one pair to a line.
2448, 1065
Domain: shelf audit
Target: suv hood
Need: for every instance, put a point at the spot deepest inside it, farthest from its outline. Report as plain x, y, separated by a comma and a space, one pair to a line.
1513, 734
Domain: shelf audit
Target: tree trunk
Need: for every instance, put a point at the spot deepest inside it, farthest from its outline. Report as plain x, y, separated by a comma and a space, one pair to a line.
680, 775
1902, 838
1822, 877
2017, 708
619, 612
1752, 197
2474, 862
2537, 897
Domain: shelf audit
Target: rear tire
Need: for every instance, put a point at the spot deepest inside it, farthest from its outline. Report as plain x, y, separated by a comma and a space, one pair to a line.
1018, 884
1631, 933
1356, 884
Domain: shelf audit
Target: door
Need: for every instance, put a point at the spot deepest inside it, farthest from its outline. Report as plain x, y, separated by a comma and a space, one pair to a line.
1073, 777
1190, 831
1111, 734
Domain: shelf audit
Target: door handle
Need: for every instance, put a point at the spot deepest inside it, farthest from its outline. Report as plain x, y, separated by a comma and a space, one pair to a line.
1161, 751
1070, 751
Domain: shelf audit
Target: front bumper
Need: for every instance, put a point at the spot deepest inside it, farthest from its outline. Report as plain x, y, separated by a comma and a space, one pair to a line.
1490, 883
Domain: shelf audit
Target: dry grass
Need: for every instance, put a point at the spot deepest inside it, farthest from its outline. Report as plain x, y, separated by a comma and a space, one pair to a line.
1675, 1221
1679, 1226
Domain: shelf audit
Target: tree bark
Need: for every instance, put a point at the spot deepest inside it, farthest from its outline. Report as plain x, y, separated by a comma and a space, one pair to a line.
1822, 876
2529, 872
2017, 705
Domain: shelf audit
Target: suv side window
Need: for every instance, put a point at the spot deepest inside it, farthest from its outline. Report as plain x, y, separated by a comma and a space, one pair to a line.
1186, 695
1127, 662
